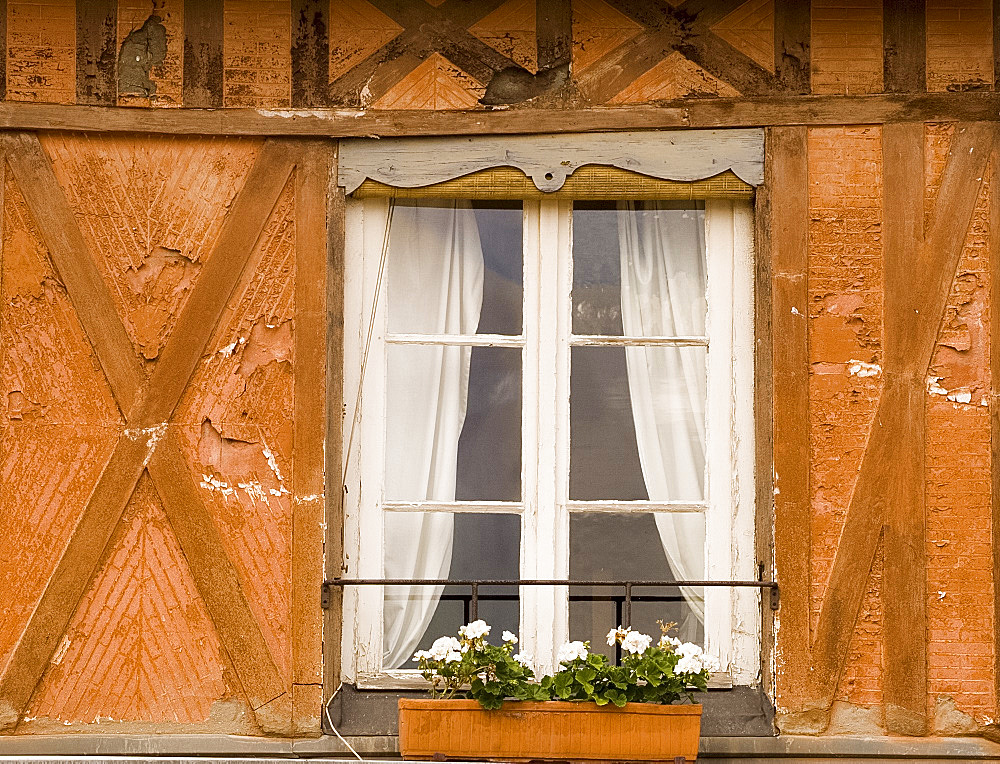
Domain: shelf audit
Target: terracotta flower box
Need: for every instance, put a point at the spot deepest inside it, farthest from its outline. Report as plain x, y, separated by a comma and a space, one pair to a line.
553, 730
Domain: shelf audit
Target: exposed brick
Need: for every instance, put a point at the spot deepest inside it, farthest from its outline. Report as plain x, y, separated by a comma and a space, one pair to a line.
959, 44
846, 46
41, 50
257, 41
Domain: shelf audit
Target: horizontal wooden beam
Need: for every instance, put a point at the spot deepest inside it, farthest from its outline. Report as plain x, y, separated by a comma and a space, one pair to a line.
721, 112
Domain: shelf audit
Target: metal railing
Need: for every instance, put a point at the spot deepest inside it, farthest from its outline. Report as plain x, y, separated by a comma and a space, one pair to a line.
623, 602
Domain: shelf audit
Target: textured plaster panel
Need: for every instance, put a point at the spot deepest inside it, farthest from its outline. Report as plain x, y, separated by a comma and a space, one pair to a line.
960, 588
674, 77
597, 30
41, 50
435, 84
257, 57
510, 29
846, 52
141, 646
168, 75
357, 29
845, 353
959, 44
238, 434
750, 29
150, 210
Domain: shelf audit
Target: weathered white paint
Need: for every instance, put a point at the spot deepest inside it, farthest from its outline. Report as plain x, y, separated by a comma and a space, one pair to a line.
683, 155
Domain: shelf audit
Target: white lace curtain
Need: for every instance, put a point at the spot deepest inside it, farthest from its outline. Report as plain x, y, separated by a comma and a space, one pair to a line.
664, 284
434, 286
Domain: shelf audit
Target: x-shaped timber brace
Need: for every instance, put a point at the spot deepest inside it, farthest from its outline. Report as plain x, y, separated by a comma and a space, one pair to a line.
685, 28
148, 442
920, 261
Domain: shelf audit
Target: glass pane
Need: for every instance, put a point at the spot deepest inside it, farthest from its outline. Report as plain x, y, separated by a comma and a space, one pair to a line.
637, 546
637, 423
639, 268
442, 545
454, 267
453, 423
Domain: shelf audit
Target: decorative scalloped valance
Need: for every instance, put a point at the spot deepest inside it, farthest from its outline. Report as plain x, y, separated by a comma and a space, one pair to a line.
683, 155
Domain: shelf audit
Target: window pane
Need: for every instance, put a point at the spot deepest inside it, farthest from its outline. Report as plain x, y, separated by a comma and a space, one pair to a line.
636, 546
639, 268
454, 267
446, 546
453, 423
637, 423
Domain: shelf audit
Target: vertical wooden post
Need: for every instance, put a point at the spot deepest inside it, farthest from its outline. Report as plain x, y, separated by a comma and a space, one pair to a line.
312, 179
904, 45
334, 542
202, 54
792, 29
96, 52
787, 182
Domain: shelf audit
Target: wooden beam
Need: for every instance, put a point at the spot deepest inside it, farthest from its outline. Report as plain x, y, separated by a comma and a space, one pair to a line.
554, 32
147, 417
202, 54
347, 123
903, 584
904, 45
333, 553
792, 31
3, 49
219, 275
787, 182
310, 53
96, 52
763, 405
995, 398
313, 177
215, 576
76, 266
906, 360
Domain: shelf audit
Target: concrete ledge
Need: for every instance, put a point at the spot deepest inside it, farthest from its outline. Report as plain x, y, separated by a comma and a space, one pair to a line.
206, 749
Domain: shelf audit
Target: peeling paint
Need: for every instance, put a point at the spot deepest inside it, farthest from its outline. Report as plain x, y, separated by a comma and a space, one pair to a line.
862, 369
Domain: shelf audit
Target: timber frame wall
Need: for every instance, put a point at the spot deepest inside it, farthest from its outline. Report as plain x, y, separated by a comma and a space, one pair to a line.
878, 385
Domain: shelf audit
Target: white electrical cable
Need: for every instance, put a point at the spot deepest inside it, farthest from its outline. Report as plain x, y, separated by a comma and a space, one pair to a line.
326, 710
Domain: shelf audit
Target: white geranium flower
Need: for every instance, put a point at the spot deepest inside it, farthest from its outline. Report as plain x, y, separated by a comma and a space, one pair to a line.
453, 657
612, 637
444, 645
570, 651
689, 650
666, 641
419, 655
710, 662
475, 629
524, 659
636, 643
688, 665
511, 637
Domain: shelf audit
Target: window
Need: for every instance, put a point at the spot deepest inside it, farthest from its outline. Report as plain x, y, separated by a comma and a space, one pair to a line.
552, 387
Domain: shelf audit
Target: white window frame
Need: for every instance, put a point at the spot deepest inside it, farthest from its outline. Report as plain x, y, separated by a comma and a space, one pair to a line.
732, 625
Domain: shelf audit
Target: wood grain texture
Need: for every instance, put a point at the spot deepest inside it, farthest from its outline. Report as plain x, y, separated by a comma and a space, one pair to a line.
904, 571
96, 54
903, 44
792, 29
203, 53
309, 418
310, 53
334, 540
908, 349
763, 409
994, 298
343, 123
554, 32
787, 182
3, 49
